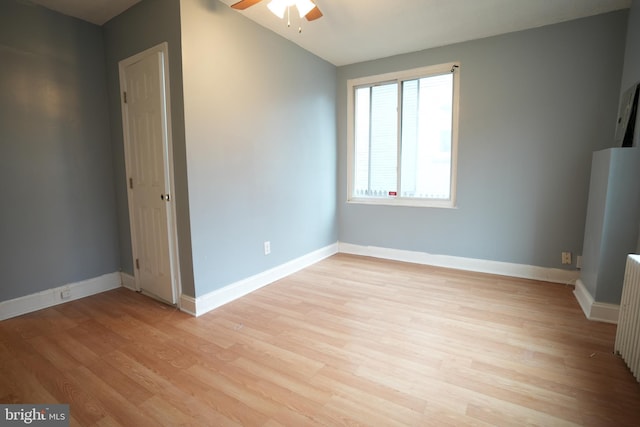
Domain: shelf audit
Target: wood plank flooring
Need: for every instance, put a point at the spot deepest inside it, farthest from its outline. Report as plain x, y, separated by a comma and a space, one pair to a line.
348, 341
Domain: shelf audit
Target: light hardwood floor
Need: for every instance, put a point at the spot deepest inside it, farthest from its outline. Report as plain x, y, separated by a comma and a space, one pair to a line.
348, 341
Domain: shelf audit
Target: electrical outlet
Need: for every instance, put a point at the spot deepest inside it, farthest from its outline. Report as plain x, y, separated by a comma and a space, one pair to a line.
65, 293
566, 257
579, 262
267, 248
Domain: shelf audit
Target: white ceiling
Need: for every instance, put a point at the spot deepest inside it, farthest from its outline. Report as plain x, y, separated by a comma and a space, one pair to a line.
358, 30
95, 11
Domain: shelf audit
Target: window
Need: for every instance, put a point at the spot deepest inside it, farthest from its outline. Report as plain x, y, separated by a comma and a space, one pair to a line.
403, 137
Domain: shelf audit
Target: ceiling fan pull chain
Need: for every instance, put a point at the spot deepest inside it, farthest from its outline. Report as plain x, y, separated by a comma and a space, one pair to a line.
288, 16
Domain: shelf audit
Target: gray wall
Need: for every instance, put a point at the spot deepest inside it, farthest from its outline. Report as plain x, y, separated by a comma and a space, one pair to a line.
57, 220
631, 71
145, 25
261, 145
611, 229
623, 209
534, 105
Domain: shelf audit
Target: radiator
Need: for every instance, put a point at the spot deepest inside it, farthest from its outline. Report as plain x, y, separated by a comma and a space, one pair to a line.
628, 333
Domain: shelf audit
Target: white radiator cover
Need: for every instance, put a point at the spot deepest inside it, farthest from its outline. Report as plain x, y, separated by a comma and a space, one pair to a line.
628, 333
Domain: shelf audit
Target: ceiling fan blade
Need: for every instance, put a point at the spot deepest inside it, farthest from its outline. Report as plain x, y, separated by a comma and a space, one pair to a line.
314, 14
243, 4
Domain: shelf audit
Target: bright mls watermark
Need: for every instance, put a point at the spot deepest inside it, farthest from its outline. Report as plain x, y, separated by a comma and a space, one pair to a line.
34, 415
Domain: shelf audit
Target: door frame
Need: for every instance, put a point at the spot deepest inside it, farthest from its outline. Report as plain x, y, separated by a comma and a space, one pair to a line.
162, 50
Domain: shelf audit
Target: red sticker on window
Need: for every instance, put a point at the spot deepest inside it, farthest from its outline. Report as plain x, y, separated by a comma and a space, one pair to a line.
393, 193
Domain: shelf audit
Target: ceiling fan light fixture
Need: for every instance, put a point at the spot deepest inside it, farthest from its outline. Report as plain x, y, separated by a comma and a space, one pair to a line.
304, 7
278, 7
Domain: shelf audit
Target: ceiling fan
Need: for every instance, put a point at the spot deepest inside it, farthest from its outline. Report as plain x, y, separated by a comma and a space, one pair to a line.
306, 8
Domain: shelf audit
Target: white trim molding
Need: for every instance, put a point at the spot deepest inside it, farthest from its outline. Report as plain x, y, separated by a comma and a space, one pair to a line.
584, 298
598, 311
205, 303
128, 281
50, 297
188, 304
555, 275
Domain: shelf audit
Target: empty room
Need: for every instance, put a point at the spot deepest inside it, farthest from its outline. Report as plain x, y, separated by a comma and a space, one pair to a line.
320, 212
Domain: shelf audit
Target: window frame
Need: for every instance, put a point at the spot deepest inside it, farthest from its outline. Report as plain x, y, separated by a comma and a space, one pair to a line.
399, 77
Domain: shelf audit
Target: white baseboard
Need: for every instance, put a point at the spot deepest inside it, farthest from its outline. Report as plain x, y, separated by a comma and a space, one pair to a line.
584, 298
50, 297
219, 297
598, 311
188, 304
554, 275
128, 281
605, 312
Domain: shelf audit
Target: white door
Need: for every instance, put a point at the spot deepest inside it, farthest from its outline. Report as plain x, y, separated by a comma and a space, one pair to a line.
147, 138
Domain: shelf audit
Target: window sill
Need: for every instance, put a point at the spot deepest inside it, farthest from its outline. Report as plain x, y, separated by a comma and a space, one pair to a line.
398, 201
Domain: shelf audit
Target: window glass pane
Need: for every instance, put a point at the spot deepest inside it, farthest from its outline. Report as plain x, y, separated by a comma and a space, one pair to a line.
376, 134
361, 167
410, 116
384, 139
427, 117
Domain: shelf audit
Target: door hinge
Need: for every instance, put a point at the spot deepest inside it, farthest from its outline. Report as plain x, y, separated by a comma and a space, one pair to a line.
137, 263
131, 183
124, 95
